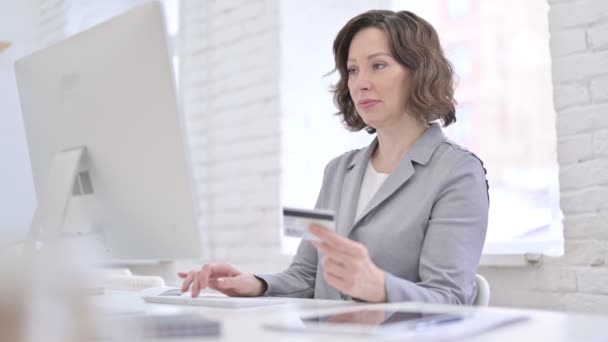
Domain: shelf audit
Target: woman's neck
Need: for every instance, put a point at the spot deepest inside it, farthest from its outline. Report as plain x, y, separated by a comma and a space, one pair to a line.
394, 143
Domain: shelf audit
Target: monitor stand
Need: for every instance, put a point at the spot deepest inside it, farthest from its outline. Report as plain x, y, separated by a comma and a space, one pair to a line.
53, 201
50, 214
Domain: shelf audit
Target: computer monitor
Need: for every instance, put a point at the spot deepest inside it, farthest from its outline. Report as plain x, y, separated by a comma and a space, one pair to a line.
105, 141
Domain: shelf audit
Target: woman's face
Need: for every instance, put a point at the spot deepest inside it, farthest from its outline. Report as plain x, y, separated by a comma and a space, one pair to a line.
378, 85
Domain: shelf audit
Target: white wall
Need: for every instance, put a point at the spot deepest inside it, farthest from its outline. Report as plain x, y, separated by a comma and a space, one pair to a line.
229, 85
579, 280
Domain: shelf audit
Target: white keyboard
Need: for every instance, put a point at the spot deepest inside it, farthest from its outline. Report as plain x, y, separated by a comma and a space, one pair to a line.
214, 301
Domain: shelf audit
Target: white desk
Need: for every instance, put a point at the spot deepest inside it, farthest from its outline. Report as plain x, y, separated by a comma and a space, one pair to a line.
246, 324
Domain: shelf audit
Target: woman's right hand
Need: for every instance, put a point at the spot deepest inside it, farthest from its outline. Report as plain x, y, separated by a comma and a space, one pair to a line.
224, 278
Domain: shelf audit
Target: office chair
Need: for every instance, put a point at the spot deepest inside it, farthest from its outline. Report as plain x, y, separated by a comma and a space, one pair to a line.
483, 291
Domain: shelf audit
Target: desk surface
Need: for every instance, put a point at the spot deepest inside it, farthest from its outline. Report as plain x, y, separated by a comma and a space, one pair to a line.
246, 324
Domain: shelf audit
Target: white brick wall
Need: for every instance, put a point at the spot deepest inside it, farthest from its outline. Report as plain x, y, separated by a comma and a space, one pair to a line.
229, 54
579, 280
569, 41
60, 18
568, 95
598, 37
52, 20
599, 87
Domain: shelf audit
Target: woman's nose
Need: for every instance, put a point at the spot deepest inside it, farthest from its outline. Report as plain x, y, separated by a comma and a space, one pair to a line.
363, 82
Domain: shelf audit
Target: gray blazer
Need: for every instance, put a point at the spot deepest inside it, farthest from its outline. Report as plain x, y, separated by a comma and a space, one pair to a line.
425, 227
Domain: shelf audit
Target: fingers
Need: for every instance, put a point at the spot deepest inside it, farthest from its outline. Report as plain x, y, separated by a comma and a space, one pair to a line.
204, 275
196, 287
336, 242
201, 279
335, 265
339, 275
337, 255
188, 281
196, 281
344, 271
336, 281
343, 258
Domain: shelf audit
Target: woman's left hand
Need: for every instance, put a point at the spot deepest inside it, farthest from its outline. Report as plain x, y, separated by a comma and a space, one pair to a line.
348, 267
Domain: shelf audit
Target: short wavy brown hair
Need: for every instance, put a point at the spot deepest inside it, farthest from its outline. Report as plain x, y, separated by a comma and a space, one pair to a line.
414, 44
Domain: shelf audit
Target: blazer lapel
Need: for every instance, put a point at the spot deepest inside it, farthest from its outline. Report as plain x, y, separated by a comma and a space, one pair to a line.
351, 188
420, 153
403, 172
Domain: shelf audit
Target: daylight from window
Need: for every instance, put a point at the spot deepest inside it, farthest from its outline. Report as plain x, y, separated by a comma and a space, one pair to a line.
505, 111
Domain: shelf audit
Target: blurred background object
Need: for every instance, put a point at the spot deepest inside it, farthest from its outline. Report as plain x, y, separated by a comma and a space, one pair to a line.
58, 273
12, 300
4, 45
43, 294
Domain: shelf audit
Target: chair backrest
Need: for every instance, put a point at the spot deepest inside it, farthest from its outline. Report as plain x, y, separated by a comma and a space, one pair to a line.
483, 291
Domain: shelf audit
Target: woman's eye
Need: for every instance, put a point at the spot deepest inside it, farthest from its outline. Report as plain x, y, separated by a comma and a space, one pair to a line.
352, 71
379, 66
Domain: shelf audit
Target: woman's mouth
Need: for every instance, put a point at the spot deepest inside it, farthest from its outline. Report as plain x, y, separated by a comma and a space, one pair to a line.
368, 103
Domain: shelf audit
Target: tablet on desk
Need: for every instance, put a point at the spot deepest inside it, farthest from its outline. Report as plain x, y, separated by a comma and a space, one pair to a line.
376, 321
423, 324
375, 318
167, 295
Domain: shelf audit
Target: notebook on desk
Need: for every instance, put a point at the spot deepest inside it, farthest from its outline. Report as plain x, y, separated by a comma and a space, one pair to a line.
213, 300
